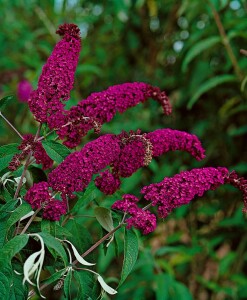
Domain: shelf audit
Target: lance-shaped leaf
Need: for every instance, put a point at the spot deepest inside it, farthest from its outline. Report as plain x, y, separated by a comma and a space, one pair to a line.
78, 256
105, 286
104, 217
31, 267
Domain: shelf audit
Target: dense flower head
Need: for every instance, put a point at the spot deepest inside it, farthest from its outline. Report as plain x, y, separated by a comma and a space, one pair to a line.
127, 204
107, 182
29, 144
101, 107
24, 90
40, 196
141, 219
75, 172
54, 210
134, 152
183, 187
164, 140
57, 77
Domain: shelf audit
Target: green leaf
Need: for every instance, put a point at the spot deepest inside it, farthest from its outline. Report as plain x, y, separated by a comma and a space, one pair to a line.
208, 85
56, 151
18, 289
170, 289
81, 237
9, 149
104, 217
198, 48
5, 101
53, 243
238, 131
86, 282
7, 208
13, 246
11, 287
130, 253
4, 285
67, 284
20, 211
48, 227
85, 197
6, 154
54, 277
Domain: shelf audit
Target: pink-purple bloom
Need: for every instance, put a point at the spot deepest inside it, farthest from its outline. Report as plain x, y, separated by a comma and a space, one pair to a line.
141, 219
24, 90
107, 182
39, 196
27, 146
57, 77
164, 140
101, 107
75, 172
180, 189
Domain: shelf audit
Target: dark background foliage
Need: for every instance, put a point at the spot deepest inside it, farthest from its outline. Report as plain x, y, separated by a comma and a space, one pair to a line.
191, 49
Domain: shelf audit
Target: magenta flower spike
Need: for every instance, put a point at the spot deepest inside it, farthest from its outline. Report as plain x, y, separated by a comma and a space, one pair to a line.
180, 189
57, 77
75, 172
101, 107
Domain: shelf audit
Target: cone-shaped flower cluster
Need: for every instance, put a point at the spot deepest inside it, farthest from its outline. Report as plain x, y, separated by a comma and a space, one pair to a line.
183, 187
101, 107
176, 191
125, 153
75, 172
57, 77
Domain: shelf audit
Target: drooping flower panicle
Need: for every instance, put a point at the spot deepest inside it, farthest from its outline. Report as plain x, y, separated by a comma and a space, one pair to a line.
75, 172
57, 77
173, 192
125, 153
180, 189
101, 107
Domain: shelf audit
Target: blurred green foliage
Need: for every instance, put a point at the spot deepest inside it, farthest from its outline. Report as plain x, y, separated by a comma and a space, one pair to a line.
191, 49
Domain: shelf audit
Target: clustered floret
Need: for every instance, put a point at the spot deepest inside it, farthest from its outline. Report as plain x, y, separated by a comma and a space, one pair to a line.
101, 107
107, 182
75, 172
57, 77
39, 196
173, 192
28, 145
141, 219
164, 140
183, 187
124, 153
